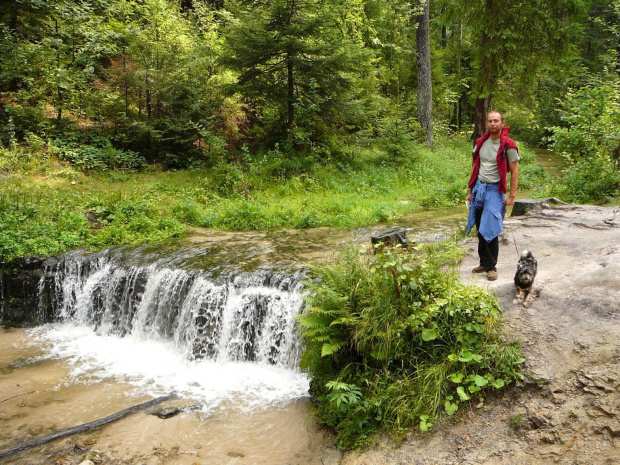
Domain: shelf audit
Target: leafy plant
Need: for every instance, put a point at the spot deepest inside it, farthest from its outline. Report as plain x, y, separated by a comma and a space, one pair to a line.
589, 139
93, 158
404, 336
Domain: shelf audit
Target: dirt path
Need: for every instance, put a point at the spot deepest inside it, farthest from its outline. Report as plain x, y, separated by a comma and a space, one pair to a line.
569, 410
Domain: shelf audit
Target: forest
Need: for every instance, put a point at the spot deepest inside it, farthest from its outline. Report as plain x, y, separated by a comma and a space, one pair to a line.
124, 121
127, 122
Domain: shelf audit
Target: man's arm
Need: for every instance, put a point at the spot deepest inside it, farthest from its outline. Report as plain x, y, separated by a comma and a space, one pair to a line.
514, 181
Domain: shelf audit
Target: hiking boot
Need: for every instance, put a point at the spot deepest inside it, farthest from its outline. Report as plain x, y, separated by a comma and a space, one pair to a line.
491, 275
479, 269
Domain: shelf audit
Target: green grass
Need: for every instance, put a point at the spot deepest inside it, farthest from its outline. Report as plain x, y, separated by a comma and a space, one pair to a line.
44, 202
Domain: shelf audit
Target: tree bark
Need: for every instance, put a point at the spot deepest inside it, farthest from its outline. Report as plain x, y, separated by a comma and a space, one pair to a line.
291, 93
425, 87
482, 108
149, 107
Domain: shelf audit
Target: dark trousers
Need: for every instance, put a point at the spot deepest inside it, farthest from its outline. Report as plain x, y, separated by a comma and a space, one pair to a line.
487, 251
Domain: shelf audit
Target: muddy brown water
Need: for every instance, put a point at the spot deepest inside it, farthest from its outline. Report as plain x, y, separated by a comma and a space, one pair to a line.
38, 397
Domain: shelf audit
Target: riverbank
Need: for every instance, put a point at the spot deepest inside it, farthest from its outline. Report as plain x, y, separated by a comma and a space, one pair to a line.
567, 411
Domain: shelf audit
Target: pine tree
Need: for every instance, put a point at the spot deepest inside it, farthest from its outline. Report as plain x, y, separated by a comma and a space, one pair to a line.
296, 66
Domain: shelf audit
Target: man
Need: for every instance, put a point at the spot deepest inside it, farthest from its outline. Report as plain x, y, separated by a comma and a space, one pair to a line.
495, 154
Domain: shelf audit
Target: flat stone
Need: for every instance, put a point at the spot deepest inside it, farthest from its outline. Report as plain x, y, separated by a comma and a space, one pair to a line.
522, 206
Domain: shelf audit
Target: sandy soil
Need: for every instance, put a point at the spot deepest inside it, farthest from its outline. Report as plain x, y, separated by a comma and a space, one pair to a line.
568, 412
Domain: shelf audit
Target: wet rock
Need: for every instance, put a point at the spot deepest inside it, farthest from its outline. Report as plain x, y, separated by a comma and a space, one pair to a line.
19, 289
80, 448
390, 238
167, 412
175, 407
522, 206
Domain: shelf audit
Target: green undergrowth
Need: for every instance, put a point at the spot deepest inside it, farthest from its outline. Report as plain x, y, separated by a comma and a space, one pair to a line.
48, 204
394, 341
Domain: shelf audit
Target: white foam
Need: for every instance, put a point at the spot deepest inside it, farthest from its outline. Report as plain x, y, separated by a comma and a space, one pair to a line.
158, 367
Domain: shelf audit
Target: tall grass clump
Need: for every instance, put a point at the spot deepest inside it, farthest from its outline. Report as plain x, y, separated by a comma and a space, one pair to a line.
394, 341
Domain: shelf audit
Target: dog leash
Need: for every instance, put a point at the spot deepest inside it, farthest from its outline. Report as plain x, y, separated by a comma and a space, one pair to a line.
514, 241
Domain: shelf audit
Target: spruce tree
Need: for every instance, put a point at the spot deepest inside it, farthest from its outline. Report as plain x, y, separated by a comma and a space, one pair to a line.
296, 67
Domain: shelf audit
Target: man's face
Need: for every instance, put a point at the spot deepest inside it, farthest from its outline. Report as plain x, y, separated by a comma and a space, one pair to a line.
494, 123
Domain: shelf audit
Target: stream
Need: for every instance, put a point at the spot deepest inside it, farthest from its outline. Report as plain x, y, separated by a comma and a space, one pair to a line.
203, 317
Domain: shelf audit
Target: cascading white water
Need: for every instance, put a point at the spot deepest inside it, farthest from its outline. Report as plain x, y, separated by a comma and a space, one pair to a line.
172, 329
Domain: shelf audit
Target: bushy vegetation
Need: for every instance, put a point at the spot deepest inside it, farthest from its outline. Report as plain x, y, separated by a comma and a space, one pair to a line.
283, 88
394, 341
48, 205
589, 140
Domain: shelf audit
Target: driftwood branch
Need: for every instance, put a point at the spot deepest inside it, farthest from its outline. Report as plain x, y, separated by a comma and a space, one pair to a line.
83, 428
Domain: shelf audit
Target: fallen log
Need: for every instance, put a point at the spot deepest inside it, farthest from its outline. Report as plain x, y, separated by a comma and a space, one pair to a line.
85, 427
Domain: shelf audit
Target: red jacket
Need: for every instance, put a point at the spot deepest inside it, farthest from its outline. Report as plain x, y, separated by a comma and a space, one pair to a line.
502, 164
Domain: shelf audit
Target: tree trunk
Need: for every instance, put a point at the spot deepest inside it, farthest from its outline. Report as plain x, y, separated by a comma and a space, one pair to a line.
425, 87
482, 108
147, 90
84, 427
489, 65
291, 93
15, 83
126, 82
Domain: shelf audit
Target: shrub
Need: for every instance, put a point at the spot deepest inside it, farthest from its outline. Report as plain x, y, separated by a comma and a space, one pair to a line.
589, 139
93, 158
533, 177
590, 181
392, 341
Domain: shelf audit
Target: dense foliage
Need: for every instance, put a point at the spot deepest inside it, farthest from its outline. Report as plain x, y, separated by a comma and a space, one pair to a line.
393, 340
203, 82
589, 139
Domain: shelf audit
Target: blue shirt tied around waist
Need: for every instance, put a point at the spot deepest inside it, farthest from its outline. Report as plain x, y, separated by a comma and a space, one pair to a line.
486, 197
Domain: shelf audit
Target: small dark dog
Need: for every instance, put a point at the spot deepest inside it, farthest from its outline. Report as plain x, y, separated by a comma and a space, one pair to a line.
524, 277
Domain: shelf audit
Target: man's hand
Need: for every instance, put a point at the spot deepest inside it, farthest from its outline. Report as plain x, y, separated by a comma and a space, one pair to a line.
509, 200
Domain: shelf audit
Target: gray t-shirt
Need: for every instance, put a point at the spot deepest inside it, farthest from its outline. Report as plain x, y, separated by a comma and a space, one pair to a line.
488, 160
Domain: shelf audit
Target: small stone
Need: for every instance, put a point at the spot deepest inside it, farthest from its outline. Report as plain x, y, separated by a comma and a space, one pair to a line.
167, 412
93, 457
235, 454
87, 462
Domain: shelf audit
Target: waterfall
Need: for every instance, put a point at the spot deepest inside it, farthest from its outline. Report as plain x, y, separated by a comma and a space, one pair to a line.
161, 325
242, 317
